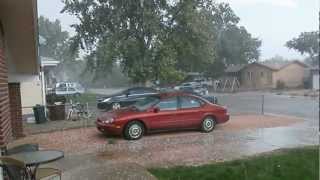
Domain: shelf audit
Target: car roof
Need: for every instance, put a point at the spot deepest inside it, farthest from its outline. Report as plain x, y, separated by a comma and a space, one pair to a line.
176, 93
147, 88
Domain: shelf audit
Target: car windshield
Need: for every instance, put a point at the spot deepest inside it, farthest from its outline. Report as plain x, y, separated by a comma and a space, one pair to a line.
146, 103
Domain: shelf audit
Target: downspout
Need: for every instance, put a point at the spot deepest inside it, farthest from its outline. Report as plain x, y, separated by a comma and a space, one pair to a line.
40, 70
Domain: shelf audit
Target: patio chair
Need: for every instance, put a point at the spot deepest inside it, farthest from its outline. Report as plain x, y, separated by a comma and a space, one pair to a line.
13, 169
17, 170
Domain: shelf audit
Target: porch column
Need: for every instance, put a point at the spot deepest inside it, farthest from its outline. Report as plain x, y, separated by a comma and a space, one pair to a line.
15, 110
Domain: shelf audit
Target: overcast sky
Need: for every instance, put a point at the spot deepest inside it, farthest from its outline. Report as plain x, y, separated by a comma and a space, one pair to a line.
272, 21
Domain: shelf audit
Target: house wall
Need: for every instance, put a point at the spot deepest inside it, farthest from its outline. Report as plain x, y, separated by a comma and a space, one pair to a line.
15, 110
31, 92
5, 125
256, 77
18, 55
292, 75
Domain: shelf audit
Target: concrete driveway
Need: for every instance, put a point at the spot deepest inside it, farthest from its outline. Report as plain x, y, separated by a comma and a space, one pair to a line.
244, 135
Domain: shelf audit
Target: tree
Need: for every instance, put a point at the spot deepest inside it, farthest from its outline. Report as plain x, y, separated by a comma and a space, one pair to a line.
54, 41
152, 38
306, 43
234, 44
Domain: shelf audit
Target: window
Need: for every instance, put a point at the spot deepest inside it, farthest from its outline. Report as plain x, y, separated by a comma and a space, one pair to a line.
146, 102
189, 102
249, 75
71, 89
168, 104
261, 74
61, 88
140, 91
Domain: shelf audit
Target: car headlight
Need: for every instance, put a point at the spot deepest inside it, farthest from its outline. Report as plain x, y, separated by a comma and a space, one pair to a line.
109, 121
106, 100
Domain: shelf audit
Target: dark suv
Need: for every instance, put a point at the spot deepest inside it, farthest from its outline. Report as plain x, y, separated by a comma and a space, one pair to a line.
124, 98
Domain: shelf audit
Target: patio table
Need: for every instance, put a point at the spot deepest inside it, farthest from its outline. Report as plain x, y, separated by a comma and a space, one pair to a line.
33, 159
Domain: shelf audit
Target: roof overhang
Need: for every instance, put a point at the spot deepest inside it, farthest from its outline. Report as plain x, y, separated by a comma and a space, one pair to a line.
19, 20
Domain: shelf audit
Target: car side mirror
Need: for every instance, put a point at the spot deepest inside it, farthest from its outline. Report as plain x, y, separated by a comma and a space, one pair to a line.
127, 94
156, 109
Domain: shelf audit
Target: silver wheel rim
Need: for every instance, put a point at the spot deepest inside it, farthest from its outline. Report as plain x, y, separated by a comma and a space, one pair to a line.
208, 124
116, 106
135, 131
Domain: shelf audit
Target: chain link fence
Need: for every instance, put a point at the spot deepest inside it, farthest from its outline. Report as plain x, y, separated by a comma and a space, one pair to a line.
306, 107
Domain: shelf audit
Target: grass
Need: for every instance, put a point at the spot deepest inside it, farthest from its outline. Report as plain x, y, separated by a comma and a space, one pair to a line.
288, 164
84, 98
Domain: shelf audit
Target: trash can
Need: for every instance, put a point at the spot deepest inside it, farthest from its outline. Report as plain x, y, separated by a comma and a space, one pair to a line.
39, 114
57, 112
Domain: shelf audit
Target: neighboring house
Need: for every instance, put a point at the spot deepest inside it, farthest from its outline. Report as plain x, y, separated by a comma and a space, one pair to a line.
18, 62
315, 78
264, 76
291, 74
48, 65
256, 76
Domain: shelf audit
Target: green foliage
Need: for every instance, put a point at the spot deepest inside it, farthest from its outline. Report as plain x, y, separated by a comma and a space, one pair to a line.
55, 42
234, 44
160, 39
293, 164
306, 43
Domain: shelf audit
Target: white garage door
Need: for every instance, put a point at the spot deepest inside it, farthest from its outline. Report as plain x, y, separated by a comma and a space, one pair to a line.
315, 81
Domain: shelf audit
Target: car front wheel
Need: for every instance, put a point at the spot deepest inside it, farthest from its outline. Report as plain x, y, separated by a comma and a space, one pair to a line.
134, 130
208, 124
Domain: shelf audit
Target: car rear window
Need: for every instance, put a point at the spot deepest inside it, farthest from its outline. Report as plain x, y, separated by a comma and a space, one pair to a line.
168, 104
189, 102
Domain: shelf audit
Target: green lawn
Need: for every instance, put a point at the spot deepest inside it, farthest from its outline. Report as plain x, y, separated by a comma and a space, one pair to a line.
291, 164
84, 98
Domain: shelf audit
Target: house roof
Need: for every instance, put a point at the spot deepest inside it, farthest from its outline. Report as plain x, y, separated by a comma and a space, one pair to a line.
234, 68
294, 62
273, 67
19, 21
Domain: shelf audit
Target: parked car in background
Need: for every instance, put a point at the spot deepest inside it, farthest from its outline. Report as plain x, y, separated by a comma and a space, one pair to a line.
68, 88
186, 84
162, 112
61, 90
124, 98
210, 98
195, 86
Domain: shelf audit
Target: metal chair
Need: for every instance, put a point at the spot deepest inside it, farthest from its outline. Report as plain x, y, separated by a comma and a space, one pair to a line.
13, 169
17, 170
47, 172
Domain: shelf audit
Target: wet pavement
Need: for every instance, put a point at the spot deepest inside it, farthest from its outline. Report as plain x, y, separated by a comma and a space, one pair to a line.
242, 136
251, 102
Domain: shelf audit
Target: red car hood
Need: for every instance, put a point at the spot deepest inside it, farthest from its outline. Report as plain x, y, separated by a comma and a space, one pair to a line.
119, 113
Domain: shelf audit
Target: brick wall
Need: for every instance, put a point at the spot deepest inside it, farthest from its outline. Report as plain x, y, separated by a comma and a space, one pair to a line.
15, 109
5, 125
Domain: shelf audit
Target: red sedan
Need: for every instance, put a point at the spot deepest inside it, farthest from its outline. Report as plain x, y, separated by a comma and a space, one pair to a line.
168, 111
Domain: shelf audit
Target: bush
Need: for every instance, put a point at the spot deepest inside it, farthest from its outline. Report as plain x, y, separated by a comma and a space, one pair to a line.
280, 84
